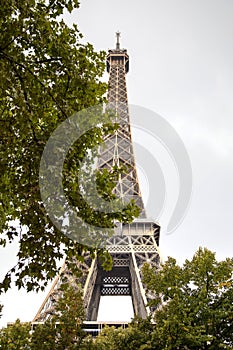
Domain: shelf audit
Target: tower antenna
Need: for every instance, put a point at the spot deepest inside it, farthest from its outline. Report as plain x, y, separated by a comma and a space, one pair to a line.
118, 34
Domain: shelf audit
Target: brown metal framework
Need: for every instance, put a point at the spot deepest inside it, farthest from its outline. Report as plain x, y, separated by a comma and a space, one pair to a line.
132, 244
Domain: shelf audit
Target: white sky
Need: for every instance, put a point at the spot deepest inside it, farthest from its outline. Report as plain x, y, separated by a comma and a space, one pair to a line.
181, 55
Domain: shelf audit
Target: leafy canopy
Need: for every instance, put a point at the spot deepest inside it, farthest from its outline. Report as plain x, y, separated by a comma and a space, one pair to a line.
194, 302
62, 331
194, 308
47, 74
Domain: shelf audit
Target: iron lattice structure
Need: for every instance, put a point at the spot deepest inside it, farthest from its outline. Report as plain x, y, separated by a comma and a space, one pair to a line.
132, 244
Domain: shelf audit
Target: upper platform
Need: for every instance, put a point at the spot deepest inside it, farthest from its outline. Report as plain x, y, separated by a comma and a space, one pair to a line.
118, 56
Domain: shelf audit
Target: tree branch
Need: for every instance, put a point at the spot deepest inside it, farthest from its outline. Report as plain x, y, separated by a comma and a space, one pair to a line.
12, 61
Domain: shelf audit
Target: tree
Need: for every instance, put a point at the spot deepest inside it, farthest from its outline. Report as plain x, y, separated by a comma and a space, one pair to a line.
64, 329
46, 76
15, 337
194, 303
69, 316
136, 336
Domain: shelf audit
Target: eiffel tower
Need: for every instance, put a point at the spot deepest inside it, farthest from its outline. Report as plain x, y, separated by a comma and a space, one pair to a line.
132, 244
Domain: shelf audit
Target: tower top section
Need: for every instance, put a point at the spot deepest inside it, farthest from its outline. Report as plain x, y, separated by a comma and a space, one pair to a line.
118, 56
119, 150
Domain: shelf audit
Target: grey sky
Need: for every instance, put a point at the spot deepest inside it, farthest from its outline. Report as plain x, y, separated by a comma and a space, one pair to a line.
181, 55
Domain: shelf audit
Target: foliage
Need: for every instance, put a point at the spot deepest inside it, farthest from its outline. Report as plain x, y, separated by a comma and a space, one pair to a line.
15, 337
62, 331
194, 303
136, 336
46, 76
194, 308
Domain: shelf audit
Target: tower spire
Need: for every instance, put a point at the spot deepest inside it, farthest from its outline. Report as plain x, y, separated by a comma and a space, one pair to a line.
118, 34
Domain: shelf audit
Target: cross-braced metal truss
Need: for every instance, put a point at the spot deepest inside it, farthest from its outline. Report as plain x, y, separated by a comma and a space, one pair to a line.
133, 244
118, 148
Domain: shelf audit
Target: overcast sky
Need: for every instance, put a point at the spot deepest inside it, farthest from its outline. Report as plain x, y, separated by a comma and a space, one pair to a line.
181, 55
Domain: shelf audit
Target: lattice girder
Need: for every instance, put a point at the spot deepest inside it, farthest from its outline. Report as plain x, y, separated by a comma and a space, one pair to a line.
133, 244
